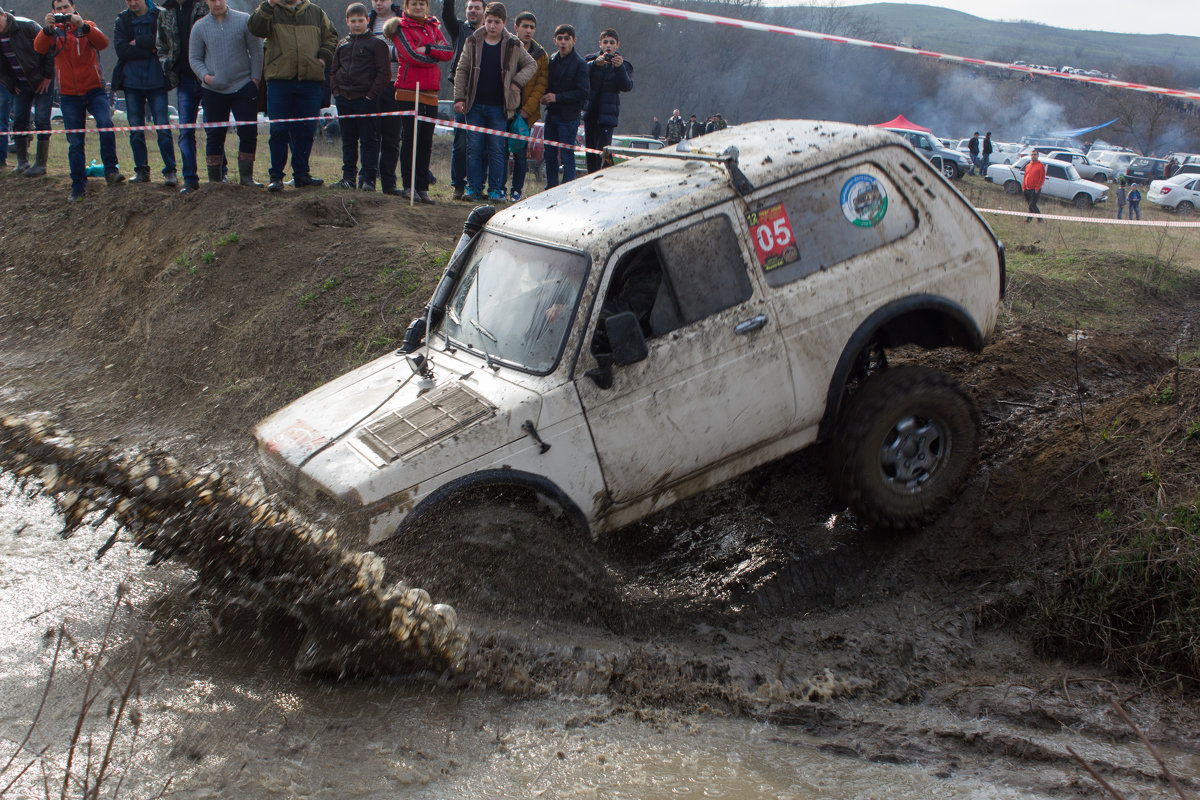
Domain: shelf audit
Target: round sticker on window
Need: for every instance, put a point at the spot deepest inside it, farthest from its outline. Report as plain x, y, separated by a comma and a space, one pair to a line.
864, 200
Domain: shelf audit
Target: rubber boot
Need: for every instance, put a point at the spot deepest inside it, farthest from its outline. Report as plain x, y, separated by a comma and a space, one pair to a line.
246, 173
43, 154
216, 170
22, 156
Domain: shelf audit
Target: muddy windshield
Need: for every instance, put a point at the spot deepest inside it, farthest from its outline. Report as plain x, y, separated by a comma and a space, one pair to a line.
515, 302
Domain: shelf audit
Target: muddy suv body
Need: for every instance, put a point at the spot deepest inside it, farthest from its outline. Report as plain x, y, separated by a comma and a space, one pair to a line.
785, 272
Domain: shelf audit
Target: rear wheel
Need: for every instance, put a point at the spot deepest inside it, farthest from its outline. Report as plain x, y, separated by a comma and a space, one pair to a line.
1185, 208
904, 447
1101, 177
1012, 187
1083, 200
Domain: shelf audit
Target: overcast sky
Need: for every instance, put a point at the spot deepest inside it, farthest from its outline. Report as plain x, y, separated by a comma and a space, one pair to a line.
1158, 16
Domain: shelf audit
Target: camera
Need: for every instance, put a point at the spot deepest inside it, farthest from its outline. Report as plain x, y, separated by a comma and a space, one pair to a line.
60, 19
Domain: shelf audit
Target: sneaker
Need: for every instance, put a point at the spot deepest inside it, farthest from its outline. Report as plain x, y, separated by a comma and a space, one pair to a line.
423, 197
114, 177
276, 185
171, 179
515, 197
366, 186
458, 192
496, 196
392, 191
189, 187
343, 184
301, 182
140, 175
468, 196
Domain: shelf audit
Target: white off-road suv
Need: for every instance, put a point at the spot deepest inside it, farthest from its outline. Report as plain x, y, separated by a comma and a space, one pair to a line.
619, 343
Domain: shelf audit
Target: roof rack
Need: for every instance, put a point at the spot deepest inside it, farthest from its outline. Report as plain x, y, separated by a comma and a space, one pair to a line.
728, 157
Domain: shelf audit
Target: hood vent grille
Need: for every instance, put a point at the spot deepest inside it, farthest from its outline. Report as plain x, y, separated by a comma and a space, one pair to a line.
433, 416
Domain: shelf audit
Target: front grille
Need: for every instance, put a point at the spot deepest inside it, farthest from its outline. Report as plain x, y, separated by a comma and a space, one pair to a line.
433, 416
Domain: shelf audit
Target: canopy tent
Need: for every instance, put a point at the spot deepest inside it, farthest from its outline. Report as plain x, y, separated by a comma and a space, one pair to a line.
1072, 133
901, 122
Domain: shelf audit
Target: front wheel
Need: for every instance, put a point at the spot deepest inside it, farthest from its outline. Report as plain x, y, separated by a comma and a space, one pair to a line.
1012, 187
904, 447
950, 170
1083, 201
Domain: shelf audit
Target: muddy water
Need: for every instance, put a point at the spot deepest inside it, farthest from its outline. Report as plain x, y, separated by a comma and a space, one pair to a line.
223, 714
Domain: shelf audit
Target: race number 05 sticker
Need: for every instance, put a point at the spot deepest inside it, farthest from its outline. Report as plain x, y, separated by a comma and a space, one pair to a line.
773, 238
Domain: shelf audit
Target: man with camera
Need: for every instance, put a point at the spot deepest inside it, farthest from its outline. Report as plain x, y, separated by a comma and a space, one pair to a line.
610, 75
27, 76
75, 44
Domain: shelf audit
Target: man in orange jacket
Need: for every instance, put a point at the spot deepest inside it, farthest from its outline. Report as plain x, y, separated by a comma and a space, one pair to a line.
1035, 178
76, 44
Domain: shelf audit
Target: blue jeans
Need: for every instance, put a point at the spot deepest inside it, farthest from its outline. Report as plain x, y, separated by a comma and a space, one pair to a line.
187, 97
243, 104
288, 100
28, 104
559, 130
520, 166
1134, 211
6, 99
136, 102
458, 155
75, 108
481, 146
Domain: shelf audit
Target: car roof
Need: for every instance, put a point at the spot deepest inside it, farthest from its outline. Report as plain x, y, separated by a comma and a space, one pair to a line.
648, 190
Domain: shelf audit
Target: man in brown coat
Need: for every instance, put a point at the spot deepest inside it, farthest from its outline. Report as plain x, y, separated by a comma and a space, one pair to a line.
487, 88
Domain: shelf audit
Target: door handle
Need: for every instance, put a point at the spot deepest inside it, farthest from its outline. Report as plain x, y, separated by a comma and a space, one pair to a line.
752, 324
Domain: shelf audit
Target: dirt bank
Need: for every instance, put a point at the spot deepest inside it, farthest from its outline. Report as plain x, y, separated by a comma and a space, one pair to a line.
139, 317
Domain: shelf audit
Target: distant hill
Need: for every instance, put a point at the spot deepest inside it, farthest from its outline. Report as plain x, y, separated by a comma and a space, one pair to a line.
958, 33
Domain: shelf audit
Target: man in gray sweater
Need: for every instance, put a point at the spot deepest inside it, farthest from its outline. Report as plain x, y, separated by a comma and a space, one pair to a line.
227, 60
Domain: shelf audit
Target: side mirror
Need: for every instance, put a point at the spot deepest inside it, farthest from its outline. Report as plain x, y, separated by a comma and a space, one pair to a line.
625, 337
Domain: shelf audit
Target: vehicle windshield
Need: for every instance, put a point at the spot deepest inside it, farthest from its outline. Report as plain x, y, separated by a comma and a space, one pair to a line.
515, 301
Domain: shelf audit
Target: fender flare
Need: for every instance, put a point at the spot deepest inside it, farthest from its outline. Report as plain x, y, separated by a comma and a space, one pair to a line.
973, 340
497, 479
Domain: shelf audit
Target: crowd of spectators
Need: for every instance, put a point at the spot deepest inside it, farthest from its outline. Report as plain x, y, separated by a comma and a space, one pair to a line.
286, 56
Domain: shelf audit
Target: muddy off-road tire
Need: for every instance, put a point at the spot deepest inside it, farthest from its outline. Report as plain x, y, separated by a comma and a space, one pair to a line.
903, 447
498, 552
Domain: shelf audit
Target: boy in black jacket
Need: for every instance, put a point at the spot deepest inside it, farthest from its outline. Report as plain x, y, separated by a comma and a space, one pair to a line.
610, 74
566, 96
360, 75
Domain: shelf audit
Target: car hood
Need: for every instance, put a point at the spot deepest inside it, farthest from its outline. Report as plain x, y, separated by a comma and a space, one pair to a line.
381, 429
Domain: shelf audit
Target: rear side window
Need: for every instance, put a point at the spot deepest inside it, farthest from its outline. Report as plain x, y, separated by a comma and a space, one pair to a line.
814, 225
1055, 171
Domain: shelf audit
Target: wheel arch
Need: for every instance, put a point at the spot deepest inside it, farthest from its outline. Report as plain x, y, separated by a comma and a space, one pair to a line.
928, 321
533, 485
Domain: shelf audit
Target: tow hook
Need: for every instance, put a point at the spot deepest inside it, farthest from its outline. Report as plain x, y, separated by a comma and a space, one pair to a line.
529, 428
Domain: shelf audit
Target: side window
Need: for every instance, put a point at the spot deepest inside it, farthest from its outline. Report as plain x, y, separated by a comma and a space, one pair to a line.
1055, 171
817, 224
680, 278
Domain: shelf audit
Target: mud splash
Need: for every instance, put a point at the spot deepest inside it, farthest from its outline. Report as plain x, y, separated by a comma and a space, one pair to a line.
246, 545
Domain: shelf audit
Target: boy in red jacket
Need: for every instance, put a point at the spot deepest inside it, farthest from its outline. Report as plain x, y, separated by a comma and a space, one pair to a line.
76, 44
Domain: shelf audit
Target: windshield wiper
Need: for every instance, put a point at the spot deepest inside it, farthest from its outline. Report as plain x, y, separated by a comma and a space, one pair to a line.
488, 361
484, 330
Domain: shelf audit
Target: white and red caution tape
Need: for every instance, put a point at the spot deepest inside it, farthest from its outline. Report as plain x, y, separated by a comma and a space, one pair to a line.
176, 126
731, 22
1145, 223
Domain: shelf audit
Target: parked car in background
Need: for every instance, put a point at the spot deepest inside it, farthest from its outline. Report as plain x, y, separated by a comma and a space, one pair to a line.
1062, 182
1144, 170
1115, 160
950, 163
1087, 170
1188, 169
635, 142
1179, 193
1005, 153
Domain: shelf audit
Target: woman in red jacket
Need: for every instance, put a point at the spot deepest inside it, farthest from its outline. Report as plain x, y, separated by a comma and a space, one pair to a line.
420, 45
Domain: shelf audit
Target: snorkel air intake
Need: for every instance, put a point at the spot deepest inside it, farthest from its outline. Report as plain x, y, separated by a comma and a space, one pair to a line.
418, 328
